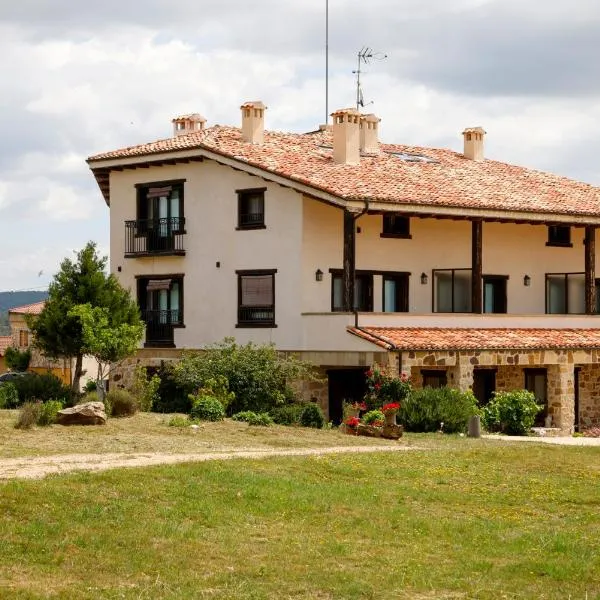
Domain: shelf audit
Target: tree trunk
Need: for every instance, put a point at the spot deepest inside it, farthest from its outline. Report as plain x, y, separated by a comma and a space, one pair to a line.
77, 374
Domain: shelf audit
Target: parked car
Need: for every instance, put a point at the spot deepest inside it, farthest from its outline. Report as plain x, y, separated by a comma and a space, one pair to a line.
10, 376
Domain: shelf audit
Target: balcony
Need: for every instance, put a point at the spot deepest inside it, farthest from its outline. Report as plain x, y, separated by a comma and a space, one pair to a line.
152, 237
256, 316
159, 327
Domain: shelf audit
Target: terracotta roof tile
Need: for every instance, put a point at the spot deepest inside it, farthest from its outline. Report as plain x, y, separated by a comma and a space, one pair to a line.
394, 175
28, 309
436, 338
5, 342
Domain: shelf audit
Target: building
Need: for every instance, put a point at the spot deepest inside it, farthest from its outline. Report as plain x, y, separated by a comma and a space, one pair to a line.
444, 265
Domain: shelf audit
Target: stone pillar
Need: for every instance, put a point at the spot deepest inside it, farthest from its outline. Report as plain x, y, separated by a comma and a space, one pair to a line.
461, 374
561, 396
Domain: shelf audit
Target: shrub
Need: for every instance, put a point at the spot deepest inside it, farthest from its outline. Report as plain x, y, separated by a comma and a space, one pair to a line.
425, 409
374, 417
287, 414
28, 415
259, 376
145, 389
9, 397
35, 386
172, 397
252, 418
121, 403
90, 386
179, 421
384, 387
17, 360
206, 408
512, 412
49, 411
312, 416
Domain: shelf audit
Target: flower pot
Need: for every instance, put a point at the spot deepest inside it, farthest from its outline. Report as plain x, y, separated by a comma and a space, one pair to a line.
390, 417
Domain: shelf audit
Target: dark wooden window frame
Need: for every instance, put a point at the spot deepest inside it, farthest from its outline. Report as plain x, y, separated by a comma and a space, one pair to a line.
441, 374
397, 277
538, 371
387, 226
487, 278
566, 276
142, 190
173, 276
242, 195
259, 272
560, 236
366, 273
433, 297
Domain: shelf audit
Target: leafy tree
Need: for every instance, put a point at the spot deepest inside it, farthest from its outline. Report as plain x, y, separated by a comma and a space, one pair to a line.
58, 333
17, 360
106, 341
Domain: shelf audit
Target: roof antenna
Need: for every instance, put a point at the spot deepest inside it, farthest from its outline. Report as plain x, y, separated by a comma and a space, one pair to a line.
364, 55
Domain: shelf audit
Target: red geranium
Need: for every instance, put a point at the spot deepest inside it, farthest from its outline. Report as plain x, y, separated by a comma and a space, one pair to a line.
352, 422
392, 406
359, 406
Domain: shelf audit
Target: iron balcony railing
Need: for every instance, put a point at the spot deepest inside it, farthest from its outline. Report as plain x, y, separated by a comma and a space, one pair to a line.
256, 315
154, 236
159, 327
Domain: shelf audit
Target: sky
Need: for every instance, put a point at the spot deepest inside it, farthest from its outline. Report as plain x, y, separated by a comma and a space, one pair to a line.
79, 77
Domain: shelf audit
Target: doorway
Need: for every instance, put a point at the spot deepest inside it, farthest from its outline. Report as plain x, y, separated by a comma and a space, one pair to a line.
344, 385
484, 385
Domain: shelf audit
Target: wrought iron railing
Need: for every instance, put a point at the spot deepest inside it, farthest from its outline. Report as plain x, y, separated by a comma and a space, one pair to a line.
159, 326
154, 236
256, 315
252, 219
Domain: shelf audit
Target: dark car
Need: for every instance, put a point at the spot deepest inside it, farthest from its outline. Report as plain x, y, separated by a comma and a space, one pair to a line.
11, 375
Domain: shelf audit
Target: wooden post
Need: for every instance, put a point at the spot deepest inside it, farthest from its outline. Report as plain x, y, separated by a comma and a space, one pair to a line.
476, 266
349, 261
590, 269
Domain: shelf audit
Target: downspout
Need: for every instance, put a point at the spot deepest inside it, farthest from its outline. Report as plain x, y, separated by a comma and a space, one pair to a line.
358, 216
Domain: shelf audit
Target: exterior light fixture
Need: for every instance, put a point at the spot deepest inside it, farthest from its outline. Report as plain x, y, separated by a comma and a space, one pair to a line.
526, 281
318, 275
424, 278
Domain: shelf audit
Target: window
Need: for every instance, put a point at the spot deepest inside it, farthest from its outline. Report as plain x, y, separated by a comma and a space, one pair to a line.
395, 293
23, 338
251, 209
559, 235
452, 290
565, 293
363, 292
434, 379
536, 381
256, 298
494, 293
395, 225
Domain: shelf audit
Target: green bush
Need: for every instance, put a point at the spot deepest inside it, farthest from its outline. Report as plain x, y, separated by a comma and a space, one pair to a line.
287, 414
206, 408
312, 416
373, 417
28, 415
258, 376
145, 388
17, 360
179, 421
90, 386
121, 403
426, 409
172, 397
49, 411
252, 418
512, 412
44, 387
9, 397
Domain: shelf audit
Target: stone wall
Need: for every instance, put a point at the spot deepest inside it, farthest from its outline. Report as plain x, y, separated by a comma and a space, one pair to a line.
589, 396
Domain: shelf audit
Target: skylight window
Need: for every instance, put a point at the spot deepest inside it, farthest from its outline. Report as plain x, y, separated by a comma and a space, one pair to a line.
408, 157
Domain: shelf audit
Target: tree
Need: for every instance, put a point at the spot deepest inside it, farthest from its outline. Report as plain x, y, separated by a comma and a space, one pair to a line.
58, 333
17, 360
106, 341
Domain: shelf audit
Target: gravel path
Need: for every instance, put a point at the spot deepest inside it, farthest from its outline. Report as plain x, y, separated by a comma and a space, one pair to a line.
37, 467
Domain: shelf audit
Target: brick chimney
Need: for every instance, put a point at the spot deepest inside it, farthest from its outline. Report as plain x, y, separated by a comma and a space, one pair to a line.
474, 143
346, 136
253, 122
369, 134
187, 124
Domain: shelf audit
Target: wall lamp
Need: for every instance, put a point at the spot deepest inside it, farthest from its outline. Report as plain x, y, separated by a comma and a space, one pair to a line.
424, 279
526, 281
318, 275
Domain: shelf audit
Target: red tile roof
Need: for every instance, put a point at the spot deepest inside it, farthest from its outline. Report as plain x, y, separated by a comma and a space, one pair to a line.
28, 309
447, 180
437, 338
5, 342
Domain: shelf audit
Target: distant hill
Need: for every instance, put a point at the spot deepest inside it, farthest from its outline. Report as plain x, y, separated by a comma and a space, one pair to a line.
9, 300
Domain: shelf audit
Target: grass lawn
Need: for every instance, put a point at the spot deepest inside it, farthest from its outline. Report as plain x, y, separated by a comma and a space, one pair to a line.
461, 519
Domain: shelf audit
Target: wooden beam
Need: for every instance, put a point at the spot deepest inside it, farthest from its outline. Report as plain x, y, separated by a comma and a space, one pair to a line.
349, 268
476, 266
590, 269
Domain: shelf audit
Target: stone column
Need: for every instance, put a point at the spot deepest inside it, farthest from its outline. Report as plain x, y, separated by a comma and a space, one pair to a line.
561, 396
462, 374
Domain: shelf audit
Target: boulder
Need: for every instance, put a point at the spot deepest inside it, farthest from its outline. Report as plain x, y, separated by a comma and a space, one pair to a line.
90, 413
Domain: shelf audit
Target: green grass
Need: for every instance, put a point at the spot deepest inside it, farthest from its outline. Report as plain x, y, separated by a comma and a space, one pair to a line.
462, 519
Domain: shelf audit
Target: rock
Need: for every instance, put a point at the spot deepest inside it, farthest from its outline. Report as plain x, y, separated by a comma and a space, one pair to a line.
392, 432
369, 430
90, 413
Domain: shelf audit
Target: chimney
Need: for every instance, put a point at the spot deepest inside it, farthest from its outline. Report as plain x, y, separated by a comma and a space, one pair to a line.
474, 143
253, 122
346, 136
369, 134
187, 124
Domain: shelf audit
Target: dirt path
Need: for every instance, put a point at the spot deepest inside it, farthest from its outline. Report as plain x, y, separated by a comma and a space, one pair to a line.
37, 467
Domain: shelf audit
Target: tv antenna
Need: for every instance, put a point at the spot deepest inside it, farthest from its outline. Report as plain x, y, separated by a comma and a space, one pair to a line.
364, 56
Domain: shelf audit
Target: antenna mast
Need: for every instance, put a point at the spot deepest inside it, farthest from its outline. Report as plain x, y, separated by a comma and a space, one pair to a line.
364, 55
